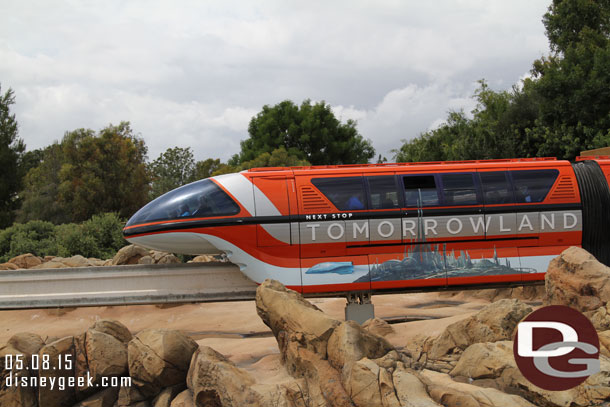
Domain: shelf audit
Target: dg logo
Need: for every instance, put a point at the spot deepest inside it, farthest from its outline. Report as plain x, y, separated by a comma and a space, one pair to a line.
556, 348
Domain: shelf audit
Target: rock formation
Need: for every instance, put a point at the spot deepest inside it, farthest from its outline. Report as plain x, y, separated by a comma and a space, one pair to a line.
131, 254
159, 358
333, 363
577, 280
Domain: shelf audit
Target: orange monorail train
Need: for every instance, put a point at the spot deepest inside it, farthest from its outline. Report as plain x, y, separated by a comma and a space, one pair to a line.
380, 227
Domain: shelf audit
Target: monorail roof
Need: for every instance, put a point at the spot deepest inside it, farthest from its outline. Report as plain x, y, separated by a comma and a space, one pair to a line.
392, 166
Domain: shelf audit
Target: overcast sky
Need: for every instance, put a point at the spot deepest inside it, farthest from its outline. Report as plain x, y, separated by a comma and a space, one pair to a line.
193, 73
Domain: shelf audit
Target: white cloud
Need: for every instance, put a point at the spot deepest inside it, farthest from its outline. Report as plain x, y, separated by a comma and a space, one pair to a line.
193, 73
407, 112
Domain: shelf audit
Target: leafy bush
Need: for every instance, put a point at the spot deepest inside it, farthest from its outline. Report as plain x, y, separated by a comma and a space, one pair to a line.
72, 240
36, 237
100, 237
106, 230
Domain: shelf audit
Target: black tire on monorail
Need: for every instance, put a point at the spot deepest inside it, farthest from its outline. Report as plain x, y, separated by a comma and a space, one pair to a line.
595, 198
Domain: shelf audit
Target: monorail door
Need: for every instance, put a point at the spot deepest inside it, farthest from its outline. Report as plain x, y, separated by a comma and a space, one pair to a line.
332, 217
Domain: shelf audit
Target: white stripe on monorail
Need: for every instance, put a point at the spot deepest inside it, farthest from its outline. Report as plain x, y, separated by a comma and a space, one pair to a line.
244, 191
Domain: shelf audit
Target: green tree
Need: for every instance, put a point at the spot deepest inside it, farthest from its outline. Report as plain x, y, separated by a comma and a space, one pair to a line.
11, 150
173, 168
277, 158
103, 173
497, 130
40, 194
88, 174
573, 84
205, 168
309, 132
569, 23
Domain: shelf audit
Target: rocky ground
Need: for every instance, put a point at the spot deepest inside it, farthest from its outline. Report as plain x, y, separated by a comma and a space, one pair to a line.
449, 349
131, 254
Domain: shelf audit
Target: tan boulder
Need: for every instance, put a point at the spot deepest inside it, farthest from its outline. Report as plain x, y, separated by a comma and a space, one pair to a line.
350, 342
27, 343
10, 393
389, 360
214, 380
129, 255
59, 352
53, 264
159, 358
68, 262
100, 351
604, 342
495, 361
600, 318
104, 398
450, 393
324, 382
409, 388
378, 326
169, 259
77, 261
107, 356
576, 279
287, 313
204, 258
81, 367
26, 261
361, 381
113, 328
96, 262
130, 396
185, 399
8, 266
163, 257
389, 398
146, 260
482, 360
495, 322
164, 399
591, 393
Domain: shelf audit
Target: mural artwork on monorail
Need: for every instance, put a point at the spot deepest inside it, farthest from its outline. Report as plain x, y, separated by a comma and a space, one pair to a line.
426, 261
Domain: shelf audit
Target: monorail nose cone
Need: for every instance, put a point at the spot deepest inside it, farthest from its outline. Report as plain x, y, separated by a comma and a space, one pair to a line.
167, 223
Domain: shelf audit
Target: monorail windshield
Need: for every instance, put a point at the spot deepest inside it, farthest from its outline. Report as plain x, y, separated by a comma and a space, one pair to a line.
196, 200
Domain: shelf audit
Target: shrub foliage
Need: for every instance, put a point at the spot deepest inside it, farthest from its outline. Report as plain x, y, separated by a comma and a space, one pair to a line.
99, 237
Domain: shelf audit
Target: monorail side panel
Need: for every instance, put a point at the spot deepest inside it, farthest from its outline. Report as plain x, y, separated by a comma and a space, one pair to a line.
328, 208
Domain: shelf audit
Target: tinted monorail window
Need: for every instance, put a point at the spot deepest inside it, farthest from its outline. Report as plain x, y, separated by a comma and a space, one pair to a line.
496, 188
198, 199
383, 192
459, 189
420, 190
346, 193
533, 185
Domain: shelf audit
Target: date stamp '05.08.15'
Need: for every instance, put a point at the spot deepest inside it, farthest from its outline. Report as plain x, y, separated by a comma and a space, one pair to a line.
50, 373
